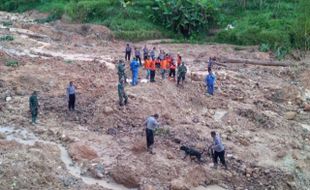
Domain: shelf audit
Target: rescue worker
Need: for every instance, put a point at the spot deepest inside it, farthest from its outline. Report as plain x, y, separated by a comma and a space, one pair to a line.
138, 56
179, 59
181, 73
71, 96
153, 70
209, 81
145, 53
123, 98
164, 66
134, 67
121, 71
218, 150
172, 70
147, 65
127, 52
152, 53
34, 106
150, 125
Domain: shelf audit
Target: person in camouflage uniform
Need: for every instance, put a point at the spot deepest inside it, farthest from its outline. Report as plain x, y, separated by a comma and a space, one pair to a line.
123, 98
181, 73
34, 105
121, 71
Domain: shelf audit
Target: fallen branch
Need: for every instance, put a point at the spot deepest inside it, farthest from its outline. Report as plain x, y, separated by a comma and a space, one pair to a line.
256, 62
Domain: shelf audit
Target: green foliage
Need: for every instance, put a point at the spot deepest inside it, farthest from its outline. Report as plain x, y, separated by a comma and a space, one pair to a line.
12, 63
6, 38
264, 47
183, 16
7, 23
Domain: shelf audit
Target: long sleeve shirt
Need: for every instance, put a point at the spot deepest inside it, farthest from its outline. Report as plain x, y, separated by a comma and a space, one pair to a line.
217, 144
151, 123
210, 79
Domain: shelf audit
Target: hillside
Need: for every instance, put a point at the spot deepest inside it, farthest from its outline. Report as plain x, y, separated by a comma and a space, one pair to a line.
261, 113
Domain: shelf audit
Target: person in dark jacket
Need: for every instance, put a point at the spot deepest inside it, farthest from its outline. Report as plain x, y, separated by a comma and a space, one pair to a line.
127, 52
71, 96
34, 106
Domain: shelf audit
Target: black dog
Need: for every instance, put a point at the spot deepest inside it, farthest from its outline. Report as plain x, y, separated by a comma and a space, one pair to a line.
192, 153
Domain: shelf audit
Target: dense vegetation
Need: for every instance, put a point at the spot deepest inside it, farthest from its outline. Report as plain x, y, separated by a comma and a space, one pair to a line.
277, 25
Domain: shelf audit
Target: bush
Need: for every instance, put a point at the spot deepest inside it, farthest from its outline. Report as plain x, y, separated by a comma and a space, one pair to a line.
6, 38
12, 63
183, 16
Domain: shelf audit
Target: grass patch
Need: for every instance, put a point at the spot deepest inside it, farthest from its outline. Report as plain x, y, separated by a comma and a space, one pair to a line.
12, 63
6, 38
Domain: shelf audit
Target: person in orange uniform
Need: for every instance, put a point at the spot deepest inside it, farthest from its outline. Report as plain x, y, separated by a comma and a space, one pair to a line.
164, 66
172, 70
179, 59
147, 65
152, 70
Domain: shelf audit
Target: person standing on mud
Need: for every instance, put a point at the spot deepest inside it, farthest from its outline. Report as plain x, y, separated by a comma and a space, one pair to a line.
34, 106
172, 70
152, 70
121, 71
181, 73
134, 67
123, 98
71, 96
218, 149
127, 52
138, 56
152, 53
151, 124
209, 82
145, 53
147, 65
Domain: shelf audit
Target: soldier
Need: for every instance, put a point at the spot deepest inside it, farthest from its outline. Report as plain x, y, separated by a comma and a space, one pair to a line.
123, 98
181, 73
121, 71
34, 105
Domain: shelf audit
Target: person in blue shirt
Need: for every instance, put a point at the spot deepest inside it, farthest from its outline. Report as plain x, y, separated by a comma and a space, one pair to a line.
209, 81
134, 67
218, 150
71, 96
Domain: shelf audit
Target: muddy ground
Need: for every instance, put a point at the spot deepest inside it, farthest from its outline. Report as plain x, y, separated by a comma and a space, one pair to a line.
261, 113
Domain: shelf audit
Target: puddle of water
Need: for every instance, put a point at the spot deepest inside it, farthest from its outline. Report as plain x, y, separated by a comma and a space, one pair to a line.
209, 187
219, 114
25, 137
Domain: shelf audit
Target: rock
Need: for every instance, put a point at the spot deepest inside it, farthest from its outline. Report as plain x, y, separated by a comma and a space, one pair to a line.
195, 120
112, 131
281, 154
2, 136
97, 171
108, 110
178, 184
147, 187
307, 107
79, 151
290, 115
126, 175
8, 98
170, 156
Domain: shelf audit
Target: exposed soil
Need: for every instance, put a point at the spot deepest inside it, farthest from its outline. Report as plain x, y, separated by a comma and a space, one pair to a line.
260, 113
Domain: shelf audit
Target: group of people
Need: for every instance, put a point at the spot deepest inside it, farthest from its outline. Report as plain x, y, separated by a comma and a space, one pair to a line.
162, 62
217, 147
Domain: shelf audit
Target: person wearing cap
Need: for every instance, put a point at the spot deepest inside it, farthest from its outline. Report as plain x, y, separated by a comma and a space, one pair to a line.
127, 52
34, 106
150, 125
